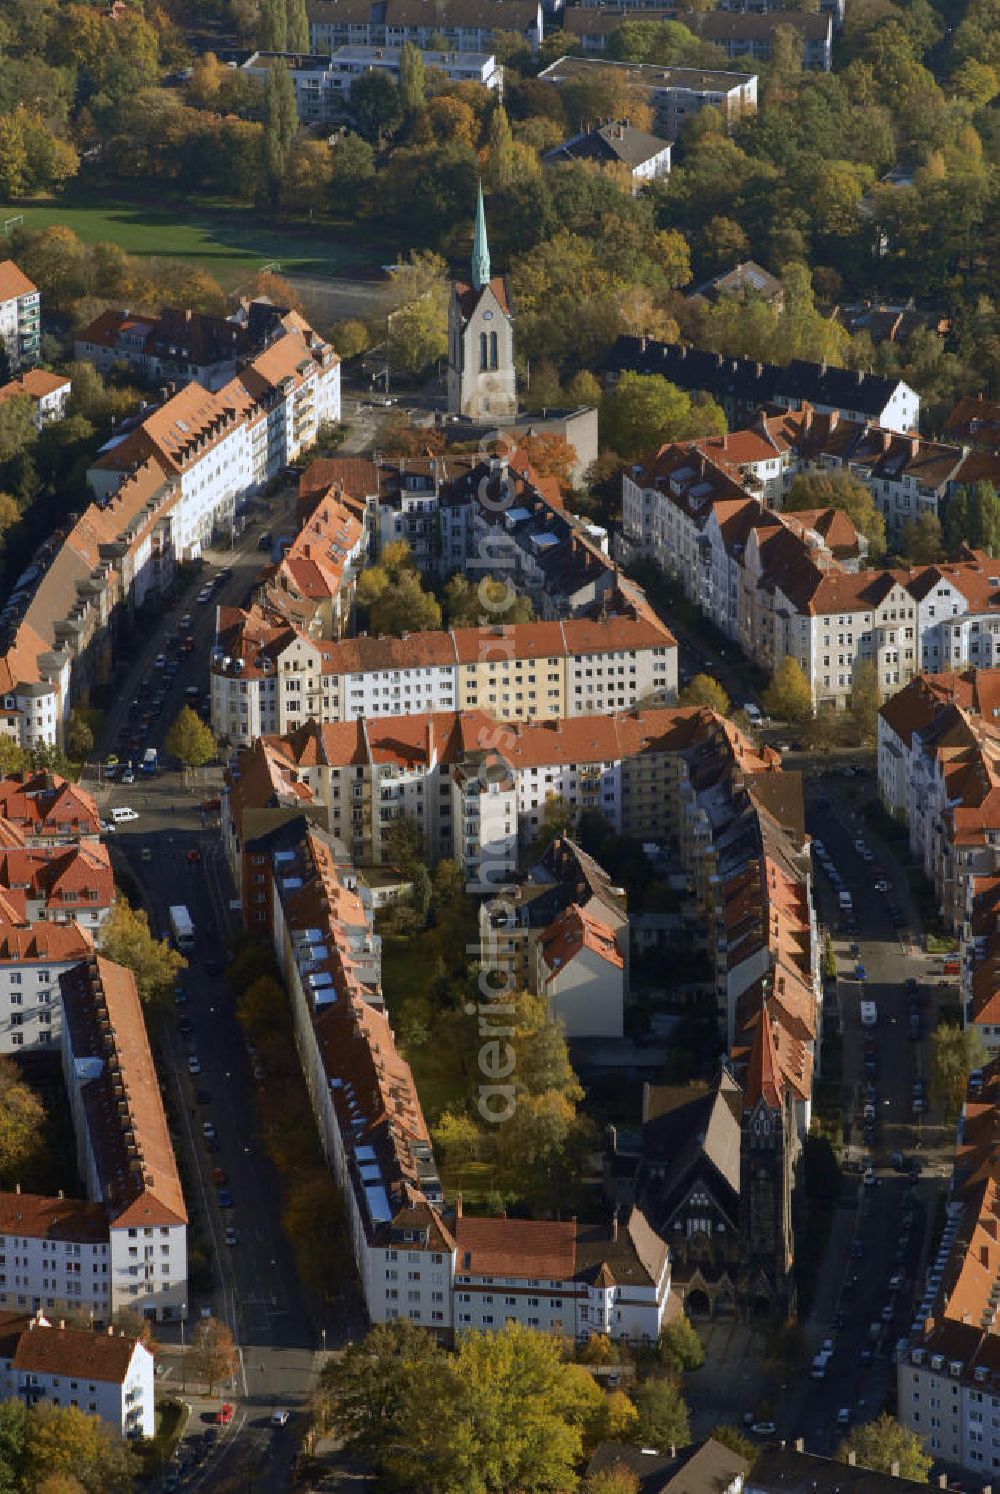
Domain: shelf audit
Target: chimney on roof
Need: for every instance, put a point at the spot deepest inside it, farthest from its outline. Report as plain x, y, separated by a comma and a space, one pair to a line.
458, 1206
942, 1482
62, 1322
834, 418
800, 1445
17, 1187
111, 1330
852, 1458
894, 1468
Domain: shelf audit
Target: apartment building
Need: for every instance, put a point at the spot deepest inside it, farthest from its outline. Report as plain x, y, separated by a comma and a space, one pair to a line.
218, 447
676, 94
741, 34
617, 145
43, 809
948, 1367
416, 1257
323, 83
267, 679
33, 957
60, 627
477, 789
20, 316
463, 25
567, 1278
565, 877
789, 584
180, 346
48, 392
125, 1246
742, 386
975, 422
109, 1375
937, 750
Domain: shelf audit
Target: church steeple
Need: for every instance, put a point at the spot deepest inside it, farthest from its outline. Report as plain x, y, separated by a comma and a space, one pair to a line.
480, 247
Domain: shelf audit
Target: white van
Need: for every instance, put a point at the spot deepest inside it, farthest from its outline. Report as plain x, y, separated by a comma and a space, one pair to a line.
846, 901
869, 1014
123, 814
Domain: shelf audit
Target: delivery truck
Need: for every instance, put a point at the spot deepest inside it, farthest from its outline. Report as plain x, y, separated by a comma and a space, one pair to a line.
182, 927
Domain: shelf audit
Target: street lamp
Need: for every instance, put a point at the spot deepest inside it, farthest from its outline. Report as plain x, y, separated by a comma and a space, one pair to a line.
183, 1355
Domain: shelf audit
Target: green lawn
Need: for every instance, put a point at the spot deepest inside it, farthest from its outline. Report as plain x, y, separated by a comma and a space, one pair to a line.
230, 243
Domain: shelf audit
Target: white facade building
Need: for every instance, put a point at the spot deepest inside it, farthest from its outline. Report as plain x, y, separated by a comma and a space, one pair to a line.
20, 316
102, 1374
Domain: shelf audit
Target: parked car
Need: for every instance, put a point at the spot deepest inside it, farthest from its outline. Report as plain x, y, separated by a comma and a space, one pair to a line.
224, 1415
194, 1066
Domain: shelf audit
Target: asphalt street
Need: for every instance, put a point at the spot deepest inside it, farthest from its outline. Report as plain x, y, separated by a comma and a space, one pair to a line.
875, 1262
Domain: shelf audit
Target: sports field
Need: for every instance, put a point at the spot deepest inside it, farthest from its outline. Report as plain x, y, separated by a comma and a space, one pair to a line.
229, 243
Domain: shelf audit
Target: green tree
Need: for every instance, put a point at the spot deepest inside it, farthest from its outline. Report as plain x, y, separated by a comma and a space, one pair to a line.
955, 1052
403, 607
735, 1440
365, 1397
22, 1117
412, 78
13, 1442
504, 1412
261, 1007
883, 1443
126, 939
840, 489
865, 700
418, 327
377, 107
63, 1440
644, 411
281, 123
297, 26
190, 740
500, 145
703, 690
616, 1480
922, 540
272, 30
557, 817
788, 697
79, 736
17, 426
352, 167
663, 1415
403, 844
680, 1347
213, 1353
474, 604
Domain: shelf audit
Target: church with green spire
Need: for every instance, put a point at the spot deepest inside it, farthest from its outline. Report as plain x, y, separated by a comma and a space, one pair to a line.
481, 380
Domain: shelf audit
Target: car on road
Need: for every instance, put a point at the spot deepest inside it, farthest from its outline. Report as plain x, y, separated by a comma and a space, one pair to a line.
225, 1199
844, 1417
205, 595
194, 1065
258, 1070
888, 1313
218, 1176
225, 1414
280, 1419
870, 1179
919, 1106
208, 1129
759, 1428
194, 856
858, 1249
860, 973
186, 622
881, 885
158, 663
231, 1235
123, 814
866, 1356
129, 774
895, 1282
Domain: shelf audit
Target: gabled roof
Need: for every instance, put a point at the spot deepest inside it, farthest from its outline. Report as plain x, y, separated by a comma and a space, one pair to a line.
44, 1349
14, 282
617, 143
763, 1079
